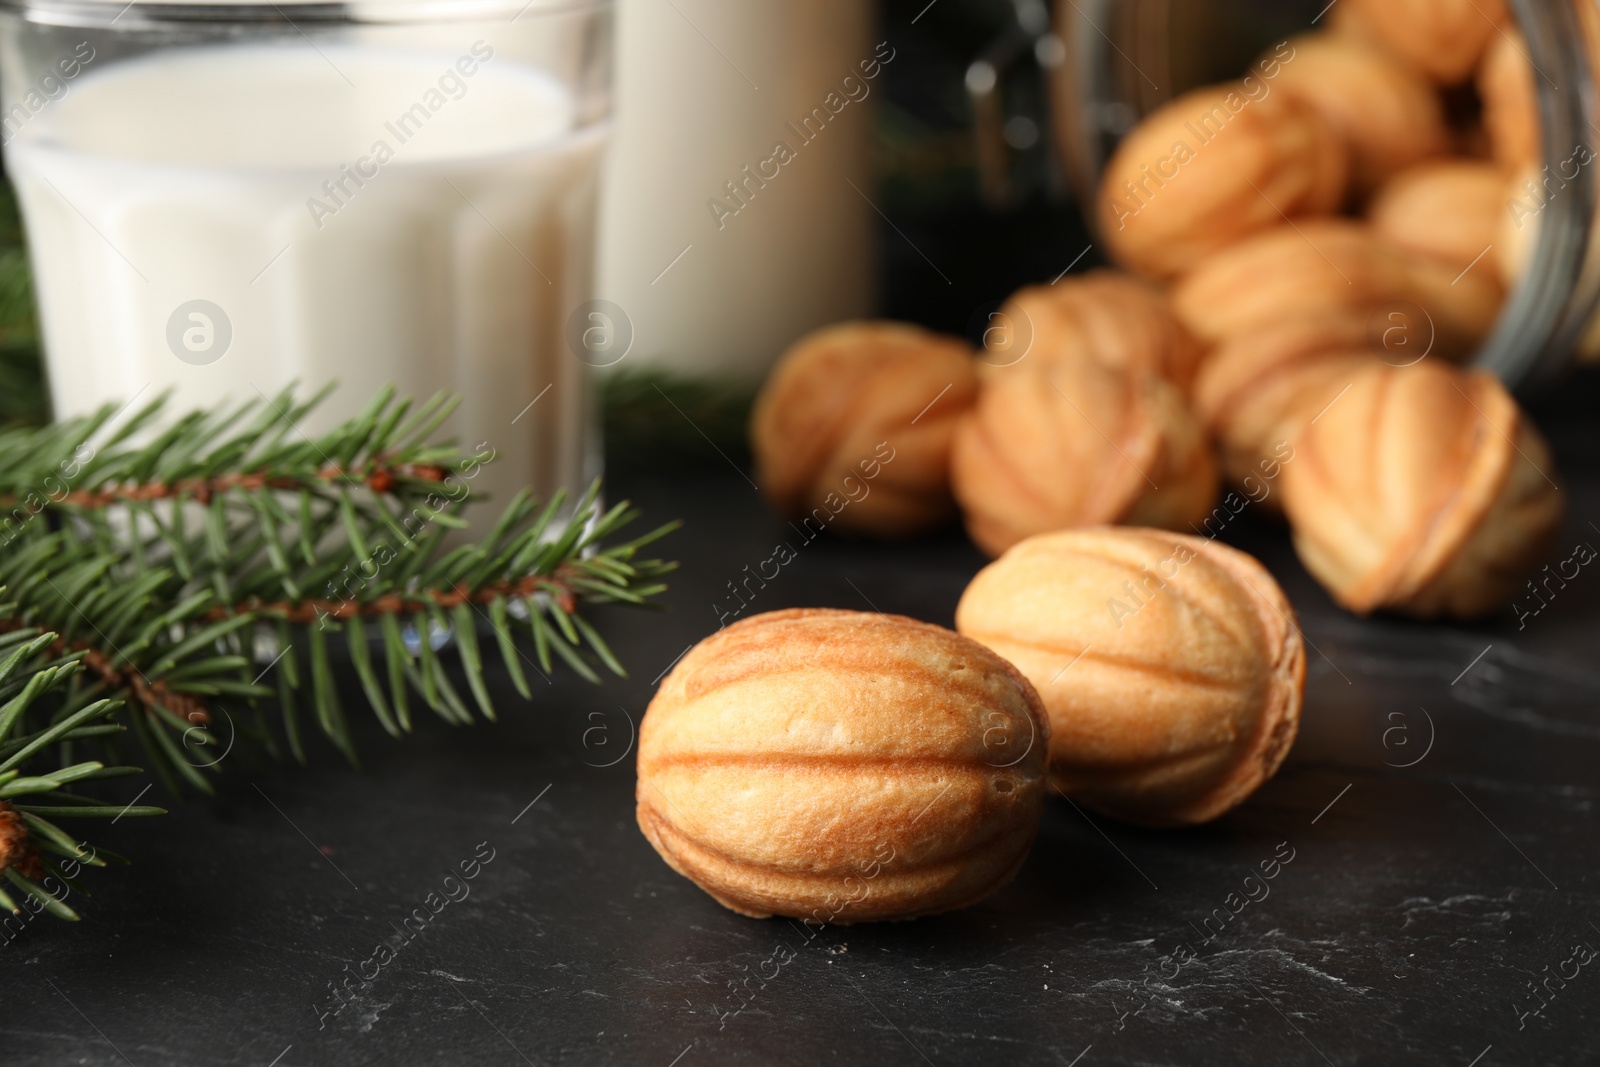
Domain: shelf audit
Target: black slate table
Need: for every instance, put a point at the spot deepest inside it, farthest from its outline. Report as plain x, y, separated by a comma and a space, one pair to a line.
1434, 835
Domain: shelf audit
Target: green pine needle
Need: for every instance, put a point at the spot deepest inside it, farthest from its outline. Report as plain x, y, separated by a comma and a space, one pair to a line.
183, 558
40, 710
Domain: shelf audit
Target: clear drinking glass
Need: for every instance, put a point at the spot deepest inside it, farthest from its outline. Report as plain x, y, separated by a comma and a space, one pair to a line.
223, 199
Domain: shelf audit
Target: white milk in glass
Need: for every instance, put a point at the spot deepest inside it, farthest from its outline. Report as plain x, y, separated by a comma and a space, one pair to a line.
349, 214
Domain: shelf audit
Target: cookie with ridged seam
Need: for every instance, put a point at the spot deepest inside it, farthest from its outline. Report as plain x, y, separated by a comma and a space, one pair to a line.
842, 767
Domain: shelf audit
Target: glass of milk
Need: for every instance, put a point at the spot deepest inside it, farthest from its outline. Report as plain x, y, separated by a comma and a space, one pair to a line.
223, 199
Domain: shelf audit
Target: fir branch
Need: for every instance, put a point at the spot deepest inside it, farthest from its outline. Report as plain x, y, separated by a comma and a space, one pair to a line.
115, 457
178, 554
379, 476
43, 715
133, 638
564, 576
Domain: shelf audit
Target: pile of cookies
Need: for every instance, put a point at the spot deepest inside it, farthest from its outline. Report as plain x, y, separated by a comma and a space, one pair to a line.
1273, 236
1305, 254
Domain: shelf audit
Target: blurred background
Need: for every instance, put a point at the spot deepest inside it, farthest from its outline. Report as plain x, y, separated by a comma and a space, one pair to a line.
928, 185
950, 246
970, 193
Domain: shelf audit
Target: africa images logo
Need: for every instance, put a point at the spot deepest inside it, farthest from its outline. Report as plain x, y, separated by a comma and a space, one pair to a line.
199, 332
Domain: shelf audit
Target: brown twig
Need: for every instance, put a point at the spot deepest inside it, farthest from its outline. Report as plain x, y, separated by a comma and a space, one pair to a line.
377, 476
153, 696
16, 847
557, 585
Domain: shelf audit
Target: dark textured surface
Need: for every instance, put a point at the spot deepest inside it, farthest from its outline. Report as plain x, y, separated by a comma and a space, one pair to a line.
1419, 904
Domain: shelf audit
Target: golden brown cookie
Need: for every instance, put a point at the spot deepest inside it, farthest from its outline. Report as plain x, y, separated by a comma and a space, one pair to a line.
1510, 108
1171, 666
1389, 114
1425, 491
1056, 442
1329, 268
1212, 167
842, 767
1519, 224
1120, 320
852, 430
1253, 386
1443, 39
1449, 210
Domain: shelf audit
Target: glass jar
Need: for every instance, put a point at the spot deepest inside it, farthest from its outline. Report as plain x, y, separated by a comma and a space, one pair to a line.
225, 199
1120, 59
